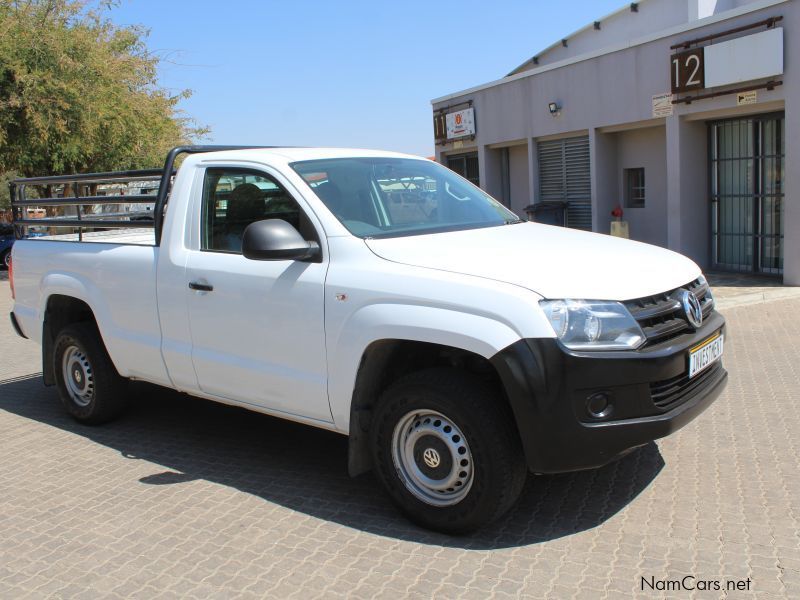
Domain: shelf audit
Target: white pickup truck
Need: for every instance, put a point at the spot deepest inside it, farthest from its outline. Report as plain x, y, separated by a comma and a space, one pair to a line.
373, 294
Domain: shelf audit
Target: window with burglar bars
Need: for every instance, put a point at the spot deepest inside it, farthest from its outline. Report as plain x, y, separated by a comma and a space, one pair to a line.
747, 174
466, 165
564, 175
634, 188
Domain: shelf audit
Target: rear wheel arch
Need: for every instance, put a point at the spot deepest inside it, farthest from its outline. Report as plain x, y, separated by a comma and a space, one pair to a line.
386, 361
60, 311
90, 388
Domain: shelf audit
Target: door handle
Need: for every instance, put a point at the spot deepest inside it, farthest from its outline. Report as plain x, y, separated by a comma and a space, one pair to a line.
200, 287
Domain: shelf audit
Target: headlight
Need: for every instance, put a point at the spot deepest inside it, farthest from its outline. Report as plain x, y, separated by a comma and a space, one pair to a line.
593, 325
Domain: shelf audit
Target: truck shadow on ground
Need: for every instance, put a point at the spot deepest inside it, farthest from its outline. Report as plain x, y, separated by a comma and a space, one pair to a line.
305, 469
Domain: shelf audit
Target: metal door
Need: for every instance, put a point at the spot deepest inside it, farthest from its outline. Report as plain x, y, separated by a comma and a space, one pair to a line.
564, 175
747, 171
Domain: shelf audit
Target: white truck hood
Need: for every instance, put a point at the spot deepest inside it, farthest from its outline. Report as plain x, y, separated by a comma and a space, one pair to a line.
554, 262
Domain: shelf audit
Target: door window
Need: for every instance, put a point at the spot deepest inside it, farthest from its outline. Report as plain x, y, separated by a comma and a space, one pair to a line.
234, 198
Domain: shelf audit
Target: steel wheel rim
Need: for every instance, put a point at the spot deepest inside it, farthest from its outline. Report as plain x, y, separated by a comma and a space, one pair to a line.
432, 458
78, 376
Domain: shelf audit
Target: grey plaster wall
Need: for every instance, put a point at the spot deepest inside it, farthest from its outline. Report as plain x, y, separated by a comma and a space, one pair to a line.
652, 16
612, 89
603, 156
519, 179
644, 148
791, 249
626, 25
614, 92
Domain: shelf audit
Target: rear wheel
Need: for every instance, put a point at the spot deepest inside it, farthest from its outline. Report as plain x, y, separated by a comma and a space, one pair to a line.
5, 259
88, 383
447, 451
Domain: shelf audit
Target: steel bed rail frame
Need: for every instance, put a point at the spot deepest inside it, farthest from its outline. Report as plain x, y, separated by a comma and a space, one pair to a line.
164, 176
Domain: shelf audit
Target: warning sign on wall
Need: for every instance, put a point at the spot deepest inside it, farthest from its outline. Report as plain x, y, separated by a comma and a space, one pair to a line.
750, 97
662, 105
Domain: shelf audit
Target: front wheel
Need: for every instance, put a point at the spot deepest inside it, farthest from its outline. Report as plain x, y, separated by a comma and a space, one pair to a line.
5, 259
90, 388
446, 450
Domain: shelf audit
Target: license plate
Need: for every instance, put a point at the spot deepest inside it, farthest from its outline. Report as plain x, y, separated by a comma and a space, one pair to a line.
706, 354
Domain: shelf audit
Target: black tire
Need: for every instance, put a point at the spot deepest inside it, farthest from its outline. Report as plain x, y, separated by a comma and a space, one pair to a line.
482, 416
5, 258
103, 395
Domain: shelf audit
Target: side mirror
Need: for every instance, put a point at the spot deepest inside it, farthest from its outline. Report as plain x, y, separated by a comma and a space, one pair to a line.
275, 239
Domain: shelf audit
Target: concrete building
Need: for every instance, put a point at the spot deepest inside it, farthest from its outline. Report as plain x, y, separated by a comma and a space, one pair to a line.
686, 113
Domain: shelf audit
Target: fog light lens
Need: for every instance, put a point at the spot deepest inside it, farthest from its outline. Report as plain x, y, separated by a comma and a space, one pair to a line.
599, 405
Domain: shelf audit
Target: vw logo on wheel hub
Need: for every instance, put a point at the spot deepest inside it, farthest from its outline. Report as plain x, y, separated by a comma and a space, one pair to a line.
431, 458
691, 306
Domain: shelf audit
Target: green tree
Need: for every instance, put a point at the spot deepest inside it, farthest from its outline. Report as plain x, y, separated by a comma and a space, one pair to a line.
79, 93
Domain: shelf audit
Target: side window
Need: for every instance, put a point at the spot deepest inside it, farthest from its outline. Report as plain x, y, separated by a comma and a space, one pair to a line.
234, 198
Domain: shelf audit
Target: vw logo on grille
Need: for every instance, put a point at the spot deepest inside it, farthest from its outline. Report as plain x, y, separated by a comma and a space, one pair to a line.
431, 458
692, 308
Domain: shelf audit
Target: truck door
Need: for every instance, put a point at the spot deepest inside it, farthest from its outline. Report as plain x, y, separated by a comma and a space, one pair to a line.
257, 327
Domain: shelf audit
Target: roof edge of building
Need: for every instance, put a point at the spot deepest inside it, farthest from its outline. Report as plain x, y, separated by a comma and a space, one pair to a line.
556, 44
684, 27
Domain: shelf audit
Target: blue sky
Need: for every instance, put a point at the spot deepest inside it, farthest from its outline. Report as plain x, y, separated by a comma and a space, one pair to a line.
341, 72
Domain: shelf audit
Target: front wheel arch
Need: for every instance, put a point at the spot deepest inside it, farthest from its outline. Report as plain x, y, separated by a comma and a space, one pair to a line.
420, 414
386, 361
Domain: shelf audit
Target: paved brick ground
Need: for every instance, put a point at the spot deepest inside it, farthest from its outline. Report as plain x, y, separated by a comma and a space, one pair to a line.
737, 289
186, 498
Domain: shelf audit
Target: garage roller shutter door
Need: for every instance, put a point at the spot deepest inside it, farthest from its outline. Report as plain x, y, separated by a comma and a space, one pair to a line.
564, 175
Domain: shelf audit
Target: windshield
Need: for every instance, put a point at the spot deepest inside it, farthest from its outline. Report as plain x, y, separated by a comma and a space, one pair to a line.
386, 197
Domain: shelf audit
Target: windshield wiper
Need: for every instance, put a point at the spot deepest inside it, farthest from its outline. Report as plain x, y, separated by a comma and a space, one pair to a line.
512, 221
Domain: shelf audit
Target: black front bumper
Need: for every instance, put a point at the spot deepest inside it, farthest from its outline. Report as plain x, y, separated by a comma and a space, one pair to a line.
648, 391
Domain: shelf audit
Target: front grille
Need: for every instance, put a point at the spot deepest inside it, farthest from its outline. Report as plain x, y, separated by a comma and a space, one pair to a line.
673, 392
661, 317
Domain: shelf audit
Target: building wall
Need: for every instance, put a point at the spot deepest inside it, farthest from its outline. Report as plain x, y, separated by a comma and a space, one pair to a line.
626, 25
519, 179
619, 26
791, 249
643, 148
610, 98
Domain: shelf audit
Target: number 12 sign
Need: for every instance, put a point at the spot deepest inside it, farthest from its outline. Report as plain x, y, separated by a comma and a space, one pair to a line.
688, 71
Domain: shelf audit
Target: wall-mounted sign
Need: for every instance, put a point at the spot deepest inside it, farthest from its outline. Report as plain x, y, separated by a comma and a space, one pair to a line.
662, 105
461, 123
439, 128
688, 70
746, 58
743, 98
